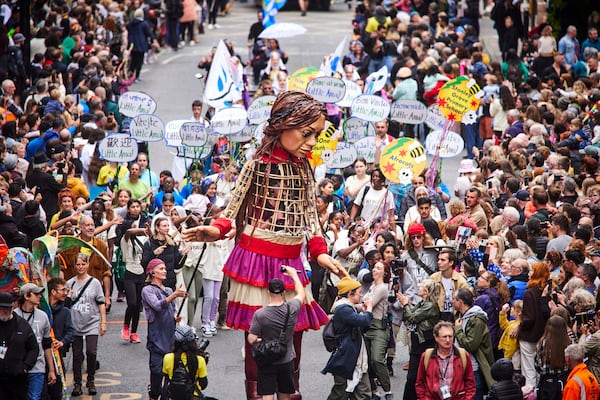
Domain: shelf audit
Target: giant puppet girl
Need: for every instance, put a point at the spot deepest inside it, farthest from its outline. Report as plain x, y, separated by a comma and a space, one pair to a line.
273, 206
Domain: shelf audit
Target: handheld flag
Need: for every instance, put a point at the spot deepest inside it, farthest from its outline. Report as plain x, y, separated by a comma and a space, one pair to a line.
270, 9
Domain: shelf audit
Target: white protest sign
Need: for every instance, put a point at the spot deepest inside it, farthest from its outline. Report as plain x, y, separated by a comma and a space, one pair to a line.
356, 129
259, 134
147, 128
135, 103
366, 148
326, 89
172, 137
245, 135
370, 108
452, 146
435, 120
260, 109
345, 154
229, 120
408, 112
198, 152
118, 147
353, 90
193, 134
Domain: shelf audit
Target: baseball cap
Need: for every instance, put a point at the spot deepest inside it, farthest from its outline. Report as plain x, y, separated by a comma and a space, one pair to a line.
6, 300
591, 151
276, 286
30, 288
522, 195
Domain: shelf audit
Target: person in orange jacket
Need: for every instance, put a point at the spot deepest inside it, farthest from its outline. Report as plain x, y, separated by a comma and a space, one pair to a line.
580, 380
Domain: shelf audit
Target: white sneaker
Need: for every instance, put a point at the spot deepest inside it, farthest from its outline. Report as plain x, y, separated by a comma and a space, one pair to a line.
206, 332
213, 327
211, 26
217, 26
192, 43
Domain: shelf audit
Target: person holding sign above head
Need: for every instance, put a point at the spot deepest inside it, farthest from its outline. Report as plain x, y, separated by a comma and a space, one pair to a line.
273, 206
146, 174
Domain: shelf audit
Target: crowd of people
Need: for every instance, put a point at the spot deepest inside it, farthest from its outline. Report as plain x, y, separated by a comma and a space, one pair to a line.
491, 280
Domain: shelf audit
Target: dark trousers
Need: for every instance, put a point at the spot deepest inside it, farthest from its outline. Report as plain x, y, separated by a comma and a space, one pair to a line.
133, 293
91, 350
187, 27
136, 62
14, 387
172, 32
157, 387
416, 349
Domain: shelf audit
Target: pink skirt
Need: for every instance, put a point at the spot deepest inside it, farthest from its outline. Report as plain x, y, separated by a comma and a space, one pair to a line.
250, 274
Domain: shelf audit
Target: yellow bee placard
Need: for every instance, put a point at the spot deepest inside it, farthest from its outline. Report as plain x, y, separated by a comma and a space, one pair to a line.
323, 151
459, 99
403, 159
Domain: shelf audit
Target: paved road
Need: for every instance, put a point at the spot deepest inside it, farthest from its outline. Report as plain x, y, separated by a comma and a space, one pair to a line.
124, 367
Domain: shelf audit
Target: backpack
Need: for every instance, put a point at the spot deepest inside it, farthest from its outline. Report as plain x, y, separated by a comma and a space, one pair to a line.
181, 385
462, 352
514, 73
330, 339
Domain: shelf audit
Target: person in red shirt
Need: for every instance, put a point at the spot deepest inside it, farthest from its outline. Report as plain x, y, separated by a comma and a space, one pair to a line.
447, 372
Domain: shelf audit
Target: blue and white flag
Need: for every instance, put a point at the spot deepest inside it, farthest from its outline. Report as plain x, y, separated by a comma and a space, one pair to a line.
221, 89
270, 10
333, 62
376, 81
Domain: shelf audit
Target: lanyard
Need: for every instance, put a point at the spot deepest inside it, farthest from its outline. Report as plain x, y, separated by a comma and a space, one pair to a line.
30, 315
447, 362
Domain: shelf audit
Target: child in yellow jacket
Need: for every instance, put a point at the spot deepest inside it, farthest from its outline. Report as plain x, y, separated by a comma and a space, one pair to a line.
508, 343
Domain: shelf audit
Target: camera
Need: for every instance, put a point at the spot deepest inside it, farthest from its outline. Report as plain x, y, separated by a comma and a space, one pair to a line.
202, 345
583, 318
397, 266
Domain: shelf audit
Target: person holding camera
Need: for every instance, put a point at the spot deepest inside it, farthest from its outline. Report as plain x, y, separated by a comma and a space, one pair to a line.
402, 282
420, 318
378, 334
268, 323
421, 262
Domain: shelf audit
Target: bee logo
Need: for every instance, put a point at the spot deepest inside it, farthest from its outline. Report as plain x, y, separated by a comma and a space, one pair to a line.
474, 89
417, 152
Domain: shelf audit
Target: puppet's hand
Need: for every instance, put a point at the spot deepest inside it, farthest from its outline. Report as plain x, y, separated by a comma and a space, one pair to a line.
327, 262
202, 234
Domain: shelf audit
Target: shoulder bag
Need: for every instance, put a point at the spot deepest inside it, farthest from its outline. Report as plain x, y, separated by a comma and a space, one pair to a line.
266, 352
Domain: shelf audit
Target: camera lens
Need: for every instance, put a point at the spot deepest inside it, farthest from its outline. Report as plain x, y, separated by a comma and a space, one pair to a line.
283, 269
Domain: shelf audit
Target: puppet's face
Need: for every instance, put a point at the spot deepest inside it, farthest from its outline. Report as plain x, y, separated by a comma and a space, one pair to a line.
299, 142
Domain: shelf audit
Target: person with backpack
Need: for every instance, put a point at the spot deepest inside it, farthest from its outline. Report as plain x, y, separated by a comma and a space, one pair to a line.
349, 358
184, 369
434, 381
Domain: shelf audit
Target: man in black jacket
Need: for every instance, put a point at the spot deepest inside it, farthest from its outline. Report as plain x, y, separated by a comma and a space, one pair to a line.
45, 184
18, 351
62, 326
9, 230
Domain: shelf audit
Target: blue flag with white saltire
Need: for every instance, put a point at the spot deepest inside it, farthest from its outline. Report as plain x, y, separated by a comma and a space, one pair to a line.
270, 9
